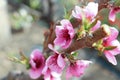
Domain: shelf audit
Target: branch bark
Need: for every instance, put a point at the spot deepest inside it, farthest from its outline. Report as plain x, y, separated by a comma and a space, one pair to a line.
87, 41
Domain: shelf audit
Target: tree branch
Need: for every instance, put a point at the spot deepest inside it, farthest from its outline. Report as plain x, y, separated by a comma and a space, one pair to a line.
88, 40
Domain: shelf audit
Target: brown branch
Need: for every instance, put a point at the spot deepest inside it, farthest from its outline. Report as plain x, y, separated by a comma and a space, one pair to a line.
49, 38
102, 4
88, 40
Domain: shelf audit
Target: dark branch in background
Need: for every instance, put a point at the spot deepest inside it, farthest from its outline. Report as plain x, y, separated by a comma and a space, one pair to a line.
102, 3
47, 11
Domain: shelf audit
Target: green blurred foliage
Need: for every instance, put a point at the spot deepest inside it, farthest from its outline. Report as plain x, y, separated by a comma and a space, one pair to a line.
21, 19
35, 4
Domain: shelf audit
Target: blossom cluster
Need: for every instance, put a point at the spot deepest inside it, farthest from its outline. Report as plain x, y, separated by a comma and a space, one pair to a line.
51, 67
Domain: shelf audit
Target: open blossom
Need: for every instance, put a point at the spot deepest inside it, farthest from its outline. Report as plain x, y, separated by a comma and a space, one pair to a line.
113, 13
50, 75
64, 34
90, 11
54, 66
112, 41
56, 63
37, 62
87, 13
77, 68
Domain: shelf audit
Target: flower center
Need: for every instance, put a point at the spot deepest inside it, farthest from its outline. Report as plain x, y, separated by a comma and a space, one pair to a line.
66, 34
37, 62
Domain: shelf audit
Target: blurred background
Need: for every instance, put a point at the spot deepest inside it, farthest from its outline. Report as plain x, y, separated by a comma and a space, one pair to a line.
22, 25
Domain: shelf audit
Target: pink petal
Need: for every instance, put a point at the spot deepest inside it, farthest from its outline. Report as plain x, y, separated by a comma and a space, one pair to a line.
65, 22
77, 69
96, 26
36, 54
111, 58
52, 63
60, 61
47, 77
115, 51
59, 41
50, 46
56, 75
84, 62
45, 70
58, 30
91, 9
112, 15
114, 34
64, 34
67, 44
32, 63
34, 74
81, 65
113, 12
68, 73
58, 78
36, 67
77, 12
71, 32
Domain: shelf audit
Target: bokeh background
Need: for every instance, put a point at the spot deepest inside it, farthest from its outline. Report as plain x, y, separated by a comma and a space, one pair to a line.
22, 25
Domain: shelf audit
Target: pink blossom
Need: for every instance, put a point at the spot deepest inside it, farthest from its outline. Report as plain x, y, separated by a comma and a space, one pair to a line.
53, 66
56, 63
114, 33
64, 34
50, 75
112, 41
37, 62
113, 13
90, 11
77, 69
77, 12
110, 54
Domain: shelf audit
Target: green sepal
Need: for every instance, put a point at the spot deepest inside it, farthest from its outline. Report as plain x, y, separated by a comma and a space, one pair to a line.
81, 33
98, 43
110, 47
28, 66
92, 24
100, 53
22, 60
85, 23
14, 59
67, 14
75, 54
